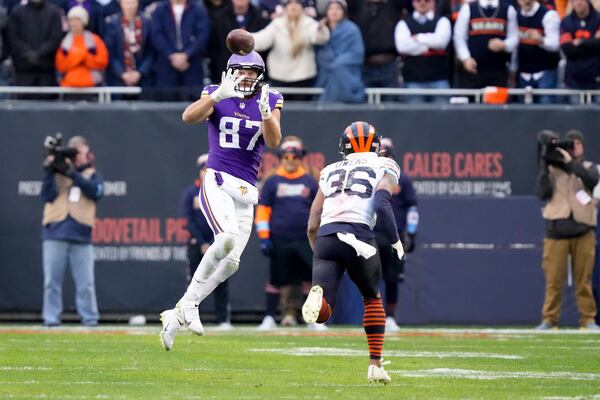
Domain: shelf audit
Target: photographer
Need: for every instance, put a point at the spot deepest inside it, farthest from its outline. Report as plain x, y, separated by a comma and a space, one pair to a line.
565, 183
70, 190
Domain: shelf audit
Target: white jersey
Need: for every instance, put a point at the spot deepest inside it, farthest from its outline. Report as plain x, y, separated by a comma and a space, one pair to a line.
349, 187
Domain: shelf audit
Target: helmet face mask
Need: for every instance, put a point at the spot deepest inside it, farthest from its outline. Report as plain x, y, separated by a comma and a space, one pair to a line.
248, 87
359, 137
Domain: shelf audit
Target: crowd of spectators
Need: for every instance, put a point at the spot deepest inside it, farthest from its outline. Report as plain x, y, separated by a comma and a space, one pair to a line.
172, 48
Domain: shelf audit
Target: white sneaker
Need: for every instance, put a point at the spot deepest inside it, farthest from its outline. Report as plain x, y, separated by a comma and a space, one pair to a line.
171, 324
224, 326
312, 305
317, 327
189, 311
391, 325
268, 323
378, 374
289, 320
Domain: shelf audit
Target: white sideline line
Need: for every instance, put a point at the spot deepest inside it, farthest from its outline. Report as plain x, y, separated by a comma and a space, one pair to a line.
335, 351
152, 329
23, 368
489, 375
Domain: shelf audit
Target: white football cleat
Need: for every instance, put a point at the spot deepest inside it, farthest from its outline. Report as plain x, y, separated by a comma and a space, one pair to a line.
224, 326
289, 320
171, 324
312, 305
378, 374
191, 318
391, 325
317, 327
268, 323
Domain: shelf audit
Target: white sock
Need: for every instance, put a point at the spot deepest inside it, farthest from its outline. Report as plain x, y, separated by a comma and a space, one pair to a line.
195, 291
224, 270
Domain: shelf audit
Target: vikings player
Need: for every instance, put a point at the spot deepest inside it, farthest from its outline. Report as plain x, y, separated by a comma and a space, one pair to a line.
340, 231
243, 115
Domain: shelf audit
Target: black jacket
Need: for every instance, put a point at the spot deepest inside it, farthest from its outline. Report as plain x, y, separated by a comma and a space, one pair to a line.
34, 34
223, 22
377, 21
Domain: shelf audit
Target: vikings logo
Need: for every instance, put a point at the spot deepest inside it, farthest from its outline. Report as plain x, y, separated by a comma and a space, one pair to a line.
243, 190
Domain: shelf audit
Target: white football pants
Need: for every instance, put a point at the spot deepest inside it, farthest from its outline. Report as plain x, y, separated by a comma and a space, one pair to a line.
231, 222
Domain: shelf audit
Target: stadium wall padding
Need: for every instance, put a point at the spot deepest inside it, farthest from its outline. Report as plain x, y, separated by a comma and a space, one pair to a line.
479, 244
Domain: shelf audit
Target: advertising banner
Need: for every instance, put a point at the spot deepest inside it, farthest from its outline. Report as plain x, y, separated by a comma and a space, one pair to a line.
147, 158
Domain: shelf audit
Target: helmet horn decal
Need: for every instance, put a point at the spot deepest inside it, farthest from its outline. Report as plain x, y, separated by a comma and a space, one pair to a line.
370, 139
352, 140
361, 137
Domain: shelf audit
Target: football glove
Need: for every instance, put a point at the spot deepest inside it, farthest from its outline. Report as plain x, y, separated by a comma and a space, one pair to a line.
399, 250
263, 102
408, 241
266, 247
229, 80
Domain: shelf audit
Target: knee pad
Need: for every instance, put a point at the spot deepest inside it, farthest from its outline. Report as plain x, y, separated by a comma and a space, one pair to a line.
224, 243
228, 267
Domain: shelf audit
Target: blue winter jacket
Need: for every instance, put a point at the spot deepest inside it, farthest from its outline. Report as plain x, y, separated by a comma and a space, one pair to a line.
144, 59
195, 30
339, 64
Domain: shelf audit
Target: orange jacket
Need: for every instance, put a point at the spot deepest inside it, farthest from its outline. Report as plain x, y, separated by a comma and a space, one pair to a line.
81, 59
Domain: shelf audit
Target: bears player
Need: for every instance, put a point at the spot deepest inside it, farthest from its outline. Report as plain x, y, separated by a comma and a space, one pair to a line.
243, 115
340, 231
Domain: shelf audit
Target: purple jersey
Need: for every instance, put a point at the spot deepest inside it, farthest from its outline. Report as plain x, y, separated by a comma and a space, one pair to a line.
235, 142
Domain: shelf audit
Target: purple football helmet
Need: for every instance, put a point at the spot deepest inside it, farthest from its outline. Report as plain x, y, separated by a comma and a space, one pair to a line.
248, 87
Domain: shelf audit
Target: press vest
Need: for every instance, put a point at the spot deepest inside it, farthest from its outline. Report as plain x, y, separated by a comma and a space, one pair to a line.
564, 203
83, 210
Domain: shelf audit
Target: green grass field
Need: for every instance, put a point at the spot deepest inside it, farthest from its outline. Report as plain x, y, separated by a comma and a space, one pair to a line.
117, 362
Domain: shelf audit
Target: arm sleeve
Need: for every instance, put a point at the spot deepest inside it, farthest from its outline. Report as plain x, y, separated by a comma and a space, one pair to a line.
405, 44
52, 42
17, 45
115, 64
385, 215
201, 33
320, 34
92, 188
512, 31
544, 188
99, 59
566, 43
440, 38
263, 39
159, 37
551, 24
67, 60
351, 51
592, 45
263, 210
589, 176
461, 32
49, 192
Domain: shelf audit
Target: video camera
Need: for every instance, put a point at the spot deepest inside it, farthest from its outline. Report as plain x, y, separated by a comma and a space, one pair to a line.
548, 145
53, 145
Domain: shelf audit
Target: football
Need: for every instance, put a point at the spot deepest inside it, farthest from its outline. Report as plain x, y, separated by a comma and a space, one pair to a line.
240, 42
